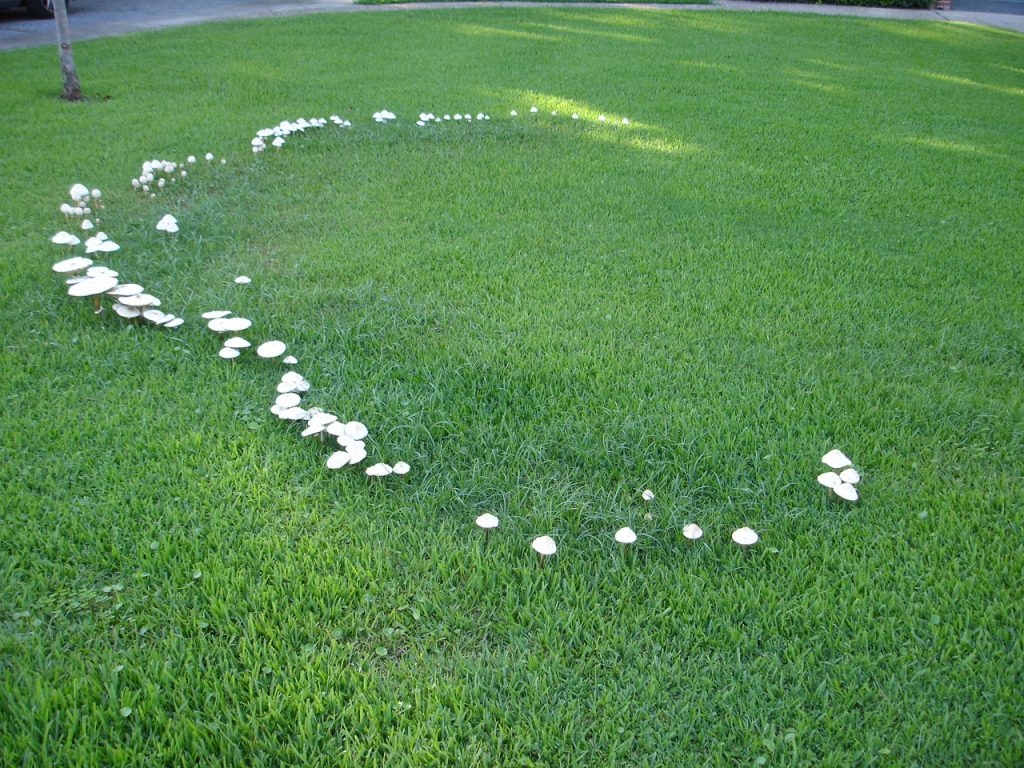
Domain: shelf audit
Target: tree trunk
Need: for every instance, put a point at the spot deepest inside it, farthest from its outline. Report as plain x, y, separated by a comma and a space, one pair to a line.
72, 89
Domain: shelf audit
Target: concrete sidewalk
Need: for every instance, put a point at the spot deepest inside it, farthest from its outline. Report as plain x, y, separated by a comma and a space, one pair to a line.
101, 18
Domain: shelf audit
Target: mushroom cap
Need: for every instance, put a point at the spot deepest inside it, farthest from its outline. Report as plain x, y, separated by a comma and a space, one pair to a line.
625, 535
65, 238
92, 286
487, 521
243, 280
829, 479
846, 491
237, 342
379, 470
271, 349
215, 313
401, 468
175, 322
356, 453
288, 400
126, 289
290, 360
229, 324
100, 271
228, 353
692, 531
648, 495
322, 418
544, 546
74, 264
836, 459
294, 414
337, 460
140, 300
745, 537
126, 311
78, 192
337, 429
356, 430
156, 316
850, 475
312, 429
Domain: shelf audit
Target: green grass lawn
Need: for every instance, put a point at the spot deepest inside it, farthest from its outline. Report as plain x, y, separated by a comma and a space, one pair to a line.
809, 237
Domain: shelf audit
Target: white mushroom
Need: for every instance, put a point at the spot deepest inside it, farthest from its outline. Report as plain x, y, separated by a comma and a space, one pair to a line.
290, 360
229, 324
829, 479
243, 280
288, 400
846, 491
401, 468
379, 470
215, 313
337, 460
850, 475
745, 537
126, 289
237, 342
487, 521
125, 311
270, 349
140, 300
625, 536
175, 322
836, 459
648, 495
95, 287
229, 353
74, 264
692, 531
65, 238
356, 430
544, 546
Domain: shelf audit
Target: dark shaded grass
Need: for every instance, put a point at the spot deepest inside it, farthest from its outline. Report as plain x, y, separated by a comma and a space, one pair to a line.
808, 237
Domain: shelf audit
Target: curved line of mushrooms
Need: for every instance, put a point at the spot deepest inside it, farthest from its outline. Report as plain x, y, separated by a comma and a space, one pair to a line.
89, 280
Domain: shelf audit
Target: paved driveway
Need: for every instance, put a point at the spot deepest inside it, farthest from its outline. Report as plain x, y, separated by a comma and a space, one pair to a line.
98, 18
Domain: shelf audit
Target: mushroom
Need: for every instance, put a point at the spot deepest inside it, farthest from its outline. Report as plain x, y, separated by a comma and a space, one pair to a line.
125, 311
65, 238
379, 470
139, 300
243, 280
356, 430
126, 289
237, 342
99, 271
487, 523
95, 287
692, 531
846, 491
270, 349
175, 322
229, 324
213, 314
745, 537
74, 264
625, 537
836, 459
545, 547
229, 353
401, 468
287, 400
648, 495
337, 460
156, 317
290, 360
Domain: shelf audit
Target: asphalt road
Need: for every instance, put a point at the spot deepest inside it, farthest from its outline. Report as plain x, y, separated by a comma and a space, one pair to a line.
99, 18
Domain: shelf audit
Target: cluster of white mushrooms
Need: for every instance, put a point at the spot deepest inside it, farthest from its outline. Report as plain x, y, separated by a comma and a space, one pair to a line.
156, 173
350, 436
132, 302
286, 128
86, 279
